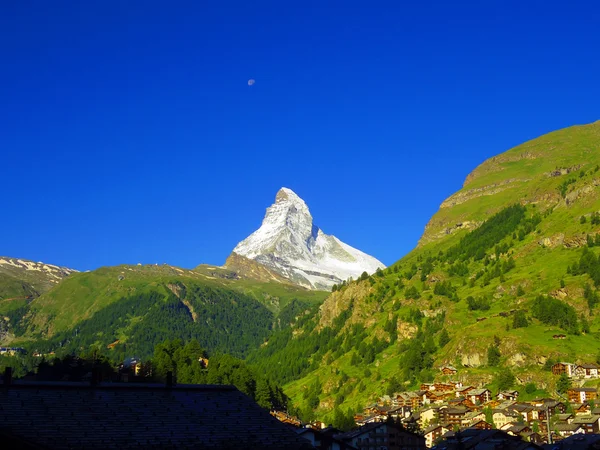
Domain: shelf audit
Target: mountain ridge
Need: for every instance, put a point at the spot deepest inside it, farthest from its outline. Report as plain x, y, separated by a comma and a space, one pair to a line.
504, 263
290, 244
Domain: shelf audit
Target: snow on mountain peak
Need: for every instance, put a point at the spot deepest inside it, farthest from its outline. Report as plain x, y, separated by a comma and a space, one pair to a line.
289, 243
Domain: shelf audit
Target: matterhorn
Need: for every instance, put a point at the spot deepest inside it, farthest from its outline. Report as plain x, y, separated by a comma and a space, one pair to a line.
291, 245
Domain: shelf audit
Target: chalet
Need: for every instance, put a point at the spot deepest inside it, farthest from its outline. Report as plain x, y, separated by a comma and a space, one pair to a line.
507, 395
400, 412
565, 429
378, 413
581, 394
527, 412
566, 418
479, 396
444, 387
453, 415
543, 404
503, 417
590, 424
416, 399
448, 370
138, 415
559, 336
316, 425
431, 397
581, 409
428, 417
382, 435
564, 367
472, 417
284, 417
532, 436
586, 371
402, 399
517, 430
462, 391
362, 420
434, 433
481, 425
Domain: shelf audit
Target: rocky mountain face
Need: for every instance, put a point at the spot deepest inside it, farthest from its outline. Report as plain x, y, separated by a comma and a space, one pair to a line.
291, 245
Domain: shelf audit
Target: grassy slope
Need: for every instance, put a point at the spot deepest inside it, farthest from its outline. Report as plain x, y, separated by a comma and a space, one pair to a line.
539, 269
18, 285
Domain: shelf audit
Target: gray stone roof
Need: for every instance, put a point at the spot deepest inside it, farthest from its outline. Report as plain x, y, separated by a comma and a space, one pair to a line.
124, 416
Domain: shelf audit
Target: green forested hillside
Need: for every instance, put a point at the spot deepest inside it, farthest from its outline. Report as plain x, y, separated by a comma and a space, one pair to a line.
508, 263
136, 307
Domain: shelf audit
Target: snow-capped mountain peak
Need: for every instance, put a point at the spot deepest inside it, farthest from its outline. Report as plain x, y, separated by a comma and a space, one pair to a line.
289, 243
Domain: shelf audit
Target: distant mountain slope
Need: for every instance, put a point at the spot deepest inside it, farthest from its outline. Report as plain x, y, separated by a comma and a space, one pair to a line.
141, 305
21, 281
22, 278
508, 263
290, 244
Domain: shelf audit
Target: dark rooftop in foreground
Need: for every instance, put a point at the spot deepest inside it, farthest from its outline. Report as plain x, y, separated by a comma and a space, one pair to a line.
127, 415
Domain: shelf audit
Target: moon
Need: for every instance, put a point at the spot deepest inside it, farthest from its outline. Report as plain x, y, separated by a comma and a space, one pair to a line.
251, 81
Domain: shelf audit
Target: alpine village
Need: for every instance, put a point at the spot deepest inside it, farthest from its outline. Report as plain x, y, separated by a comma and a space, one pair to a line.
485, 336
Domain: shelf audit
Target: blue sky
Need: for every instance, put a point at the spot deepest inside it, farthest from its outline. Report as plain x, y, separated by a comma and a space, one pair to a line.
129, 133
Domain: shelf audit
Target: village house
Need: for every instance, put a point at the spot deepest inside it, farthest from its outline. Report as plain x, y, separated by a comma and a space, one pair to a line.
564, 367
434, 433
284, 417
553, 406
479, 396
566, 418
527, 412
586, 371
462, 391
581, 394
453, 415
565, 429
432, 397
502, 417
448, 370
481, 425
582, 409
507, 395
590, 424
518, 430
400, 412
472, 417
362, 419
428, 417
446, 387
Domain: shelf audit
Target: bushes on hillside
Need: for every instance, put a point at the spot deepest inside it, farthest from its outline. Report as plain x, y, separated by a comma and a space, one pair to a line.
552, 311
479, 303
588, 264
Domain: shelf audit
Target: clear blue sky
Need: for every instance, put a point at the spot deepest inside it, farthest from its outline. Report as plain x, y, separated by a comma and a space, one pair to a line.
129, 133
